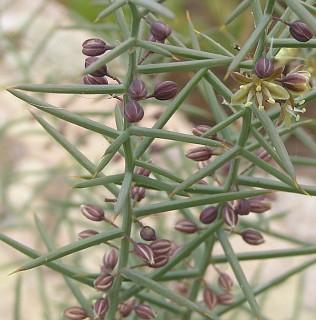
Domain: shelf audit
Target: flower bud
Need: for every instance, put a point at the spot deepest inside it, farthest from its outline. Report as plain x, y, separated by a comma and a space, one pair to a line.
263, 68
94, 47
133, 111
100, 308
225, 281
142, 171
258, 204
147, 233
126, 308
209, 214
160, 261
103, 282
252, 237
138, 193
91, 80
110, 259
144, 311
160, 30
225, 298
144, 252
296, 82
200, 129
243, 207
92, 212
186, 226
137, 90
199, 153
165, 90
75, 313
101, 72
209, 298
300, 31
202, 181
87, 233
230, 217
160, 247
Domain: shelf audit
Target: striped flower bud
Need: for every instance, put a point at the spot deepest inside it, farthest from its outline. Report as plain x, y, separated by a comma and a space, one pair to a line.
126, 308
87, 233
243, 207
300, 31
91, 80
160, 261
75, 313
209, 298
263, 68
252, 237
230, 217
94, 47
100, 72
199, 153
92, 212
225, 281
225, 298
296, 82
144, 252
133, 111
138, 193
144, 311
200, 129
165, 90
142, 171
186, 226
103, 282
160, 30
209, 214
110, 259
148, 233
137, 90
100, 308
160, 247
258, 204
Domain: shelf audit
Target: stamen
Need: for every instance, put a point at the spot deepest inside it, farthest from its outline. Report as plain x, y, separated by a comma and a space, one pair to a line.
258, 88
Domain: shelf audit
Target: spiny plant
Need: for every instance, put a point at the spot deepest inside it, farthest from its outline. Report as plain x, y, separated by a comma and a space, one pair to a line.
148, 270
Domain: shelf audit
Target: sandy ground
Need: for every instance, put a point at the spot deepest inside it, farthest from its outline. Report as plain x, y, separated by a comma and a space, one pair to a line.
25, 148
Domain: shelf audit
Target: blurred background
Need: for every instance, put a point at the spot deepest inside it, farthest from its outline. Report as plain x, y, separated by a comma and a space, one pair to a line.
40, 42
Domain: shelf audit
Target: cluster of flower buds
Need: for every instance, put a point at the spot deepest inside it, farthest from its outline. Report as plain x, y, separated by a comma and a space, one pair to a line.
137, 91
93, 48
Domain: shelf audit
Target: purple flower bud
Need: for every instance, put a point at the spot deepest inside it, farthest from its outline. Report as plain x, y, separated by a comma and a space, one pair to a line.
200, 129
209, 298
243, 207
263, 68
258, 204
126, 308
94, 47
296, 82
100, 308
186, 226
300, 31
160, 30
138, 193
199, 153
230, 217
103, 282
133, 111
144, 311
160, 261
91, 80
160, 247
87, 233
142, 171
252, 237
202, 181
92, 212
165, 90
147, 233
110, 259
225, 281
209, 214
137, 90
225, 298
75, 313
101, 72
144, 252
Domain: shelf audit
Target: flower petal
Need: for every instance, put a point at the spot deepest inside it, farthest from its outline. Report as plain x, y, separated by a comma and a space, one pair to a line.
241, 95
276, 91
238, 77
